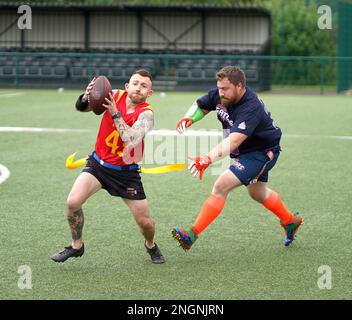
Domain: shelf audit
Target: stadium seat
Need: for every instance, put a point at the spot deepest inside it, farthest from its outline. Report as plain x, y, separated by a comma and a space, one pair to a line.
117, 73
33, 72
134, 61
124, 61
203, 61
129, 71
60, 72
197, 73
67, 61
213, 64
147, 66
253, 64
182, 73
59, 63
7, 71
96, 61
46, 63
9, 62
242, 64
103, 71
183, 65
23, 63
81, 61
78, 63
22, 71
252, 75
110, 61
210, 73
78, 73
46, 71
118, 64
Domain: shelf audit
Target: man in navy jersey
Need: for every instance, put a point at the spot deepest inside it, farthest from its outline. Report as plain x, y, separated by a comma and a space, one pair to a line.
251, 138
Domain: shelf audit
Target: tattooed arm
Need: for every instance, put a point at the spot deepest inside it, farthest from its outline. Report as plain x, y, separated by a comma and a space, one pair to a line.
132, 136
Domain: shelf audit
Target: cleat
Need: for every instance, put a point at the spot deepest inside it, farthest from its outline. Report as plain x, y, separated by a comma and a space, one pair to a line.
155, 254
185, 237
68, 252
291, 229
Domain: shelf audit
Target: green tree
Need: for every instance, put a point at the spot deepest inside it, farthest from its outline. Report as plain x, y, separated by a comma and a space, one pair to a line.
295, 31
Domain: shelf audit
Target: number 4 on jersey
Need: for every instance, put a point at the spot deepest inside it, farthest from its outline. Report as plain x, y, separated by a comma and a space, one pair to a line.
112, 142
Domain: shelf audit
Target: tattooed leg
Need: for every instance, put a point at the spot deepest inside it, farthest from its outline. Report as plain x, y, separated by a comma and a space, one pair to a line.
76, 222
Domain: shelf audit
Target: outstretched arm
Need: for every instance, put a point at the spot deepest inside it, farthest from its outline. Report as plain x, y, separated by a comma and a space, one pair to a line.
223, 149
193, 115
226, 146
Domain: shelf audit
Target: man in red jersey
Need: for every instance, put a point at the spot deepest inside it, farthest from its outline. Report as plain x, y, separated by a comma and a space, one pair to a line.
113, 165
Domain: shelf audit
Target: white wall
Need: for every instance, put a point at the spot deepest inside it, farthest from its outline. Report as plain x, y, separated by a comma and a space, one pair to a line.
120, 30
113, 30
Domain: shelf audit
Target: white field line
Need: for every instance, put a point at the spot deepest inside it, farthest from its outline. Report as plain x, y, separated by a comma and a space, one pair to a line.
190, 133
24, 129
203, 133
4, 173
11, 95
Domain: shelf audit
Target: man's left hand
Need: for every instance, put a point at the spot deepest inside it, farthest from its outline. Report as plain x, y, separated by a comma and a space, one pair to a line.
198, 165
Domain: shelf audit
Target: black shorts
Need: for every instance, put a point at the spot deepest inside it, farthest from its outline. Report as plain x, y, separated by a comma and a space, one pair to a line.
125, 184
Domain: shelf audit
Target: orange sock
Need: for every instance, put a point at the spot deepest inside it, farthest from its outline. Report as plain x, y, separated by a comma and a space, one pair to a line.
210, 210
277, 207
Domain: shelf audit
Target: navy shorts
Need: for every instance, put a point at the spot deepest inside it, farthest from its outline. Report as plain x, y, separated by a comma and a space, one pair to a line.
254, 166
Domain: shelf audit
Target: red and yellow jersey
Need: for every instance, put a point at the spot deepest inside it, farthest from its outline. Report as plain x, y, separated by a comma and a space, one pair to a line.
109, 146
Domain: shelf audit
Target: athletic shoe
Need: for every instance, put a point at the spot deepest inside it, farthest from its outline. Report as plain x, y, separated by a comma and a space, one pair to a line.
185, 236
68, 252
155, 254
291, 229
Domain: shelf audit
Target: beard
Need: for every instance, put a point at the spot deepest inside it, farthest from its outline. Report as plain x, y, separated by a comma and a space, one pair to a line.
137, 98
227, 102
224, 102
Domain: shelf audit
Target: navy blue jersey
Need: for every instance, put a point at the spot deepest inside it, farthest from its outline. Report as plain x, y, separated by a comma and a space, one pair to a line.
249, 116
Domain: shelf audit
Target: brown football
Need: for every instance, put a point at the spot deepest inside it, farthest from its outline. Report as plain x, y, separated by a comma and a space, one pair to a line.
99, 92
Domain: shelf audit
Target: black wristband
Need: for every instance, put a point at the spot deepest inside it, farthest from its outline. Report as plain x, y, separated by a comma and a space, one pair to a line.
117, 115
81, 105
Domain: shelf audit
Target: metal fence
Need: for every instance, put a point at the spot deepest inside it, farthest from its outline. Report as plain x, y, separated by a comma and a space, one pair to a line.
170, 72
345, 45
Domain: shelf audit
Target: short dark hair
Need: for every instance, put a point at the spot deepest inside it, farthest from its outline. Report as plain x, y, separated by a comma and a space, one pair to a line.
233, 73
143, 73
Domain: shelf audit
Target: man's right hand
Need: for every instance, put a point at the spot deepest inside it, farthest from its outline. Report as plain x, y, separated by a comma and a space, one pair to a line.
88, 90
183, 124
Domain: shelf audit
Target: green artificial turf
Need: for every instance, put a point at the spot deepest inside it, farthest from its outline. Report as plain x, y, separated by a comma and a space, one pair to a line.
241, 254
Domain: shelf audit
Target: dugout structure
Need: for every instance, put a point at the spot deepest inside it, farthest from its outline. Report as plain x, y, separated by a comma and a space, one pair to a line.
69, 44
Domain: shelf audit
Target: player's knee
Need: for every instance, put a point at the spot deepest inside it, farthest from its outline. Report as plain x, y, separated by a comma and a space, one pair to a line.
73, 203
219, 190
257, 196
254, 196
146, 224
